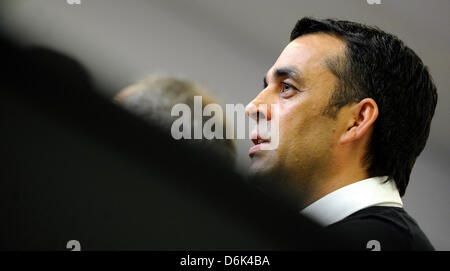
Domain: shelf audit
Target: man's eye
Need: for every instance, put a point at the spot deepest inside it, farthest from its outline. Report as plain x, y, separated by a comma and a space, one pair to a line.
285, 87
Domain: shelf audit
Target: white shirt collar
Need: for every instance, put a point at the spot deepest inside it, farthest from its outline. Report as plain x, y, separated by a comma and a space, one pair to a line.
349, 199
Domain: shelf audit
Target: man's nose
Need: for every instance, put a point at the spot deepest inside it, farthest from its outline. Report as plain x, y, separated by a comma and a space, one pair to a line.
259, 108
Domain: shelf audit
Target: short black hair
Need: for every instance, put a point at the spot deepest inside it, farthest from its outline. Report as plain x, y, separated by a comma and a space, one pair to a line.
380, 66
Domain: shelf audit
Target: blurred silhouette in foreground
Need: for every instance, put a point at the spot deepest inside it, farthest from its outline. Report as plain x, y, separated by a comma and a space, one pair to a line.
81, 168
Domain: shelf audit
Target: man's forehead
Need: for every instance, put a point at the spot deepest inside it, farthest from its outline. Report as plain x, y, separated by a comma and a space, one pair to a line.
308, 51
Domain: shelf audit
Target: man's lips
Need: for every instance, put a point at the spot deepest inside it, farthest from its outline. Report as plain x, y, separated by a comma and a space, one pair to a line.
258, 141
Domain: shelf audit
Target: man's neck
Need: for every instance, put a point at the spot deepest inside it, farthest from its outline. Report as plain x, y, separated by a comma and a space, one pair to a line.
324, 185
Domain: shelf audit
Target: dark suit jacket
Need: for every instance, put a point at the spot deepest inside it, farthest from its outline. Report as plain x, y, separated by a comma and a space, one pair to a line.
379, 228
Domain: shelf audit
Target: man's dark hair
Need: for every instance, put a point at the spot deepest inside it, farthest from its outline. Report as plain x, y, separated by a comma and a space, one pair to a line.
380, 66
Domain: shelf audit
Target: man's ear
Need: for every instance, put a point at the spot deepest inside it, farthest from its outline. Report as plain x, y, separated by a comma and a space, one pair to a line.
363, 115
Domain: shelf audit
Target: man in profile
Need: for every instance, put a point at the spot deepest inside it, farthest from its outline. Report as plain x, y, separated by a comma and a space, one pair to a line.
355, 108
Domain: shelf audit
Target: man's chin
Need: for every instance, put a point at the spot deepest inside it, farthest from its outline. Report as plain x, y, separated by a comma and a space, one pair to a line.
257, 166
261, 166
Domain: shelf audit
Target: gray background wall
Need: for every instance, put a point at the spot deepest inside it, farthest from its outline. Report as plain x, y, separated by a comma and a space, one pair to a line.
229, 45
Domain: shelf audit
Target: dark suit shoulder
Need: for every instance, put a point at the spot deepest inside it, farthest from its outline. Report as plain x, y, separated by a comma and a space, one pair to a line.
384, 228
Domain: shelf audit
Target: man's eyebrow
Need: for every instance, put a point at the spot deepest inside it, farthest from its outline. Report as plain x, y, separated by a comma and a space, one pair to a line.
288, 71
